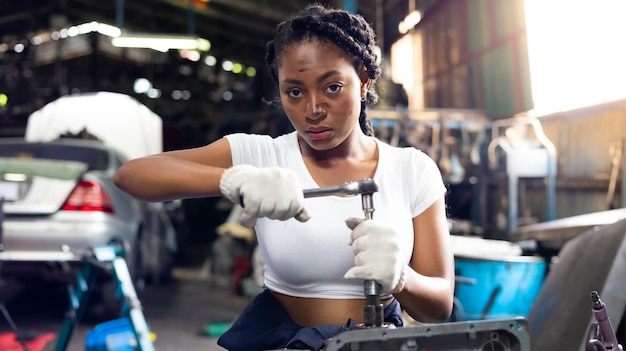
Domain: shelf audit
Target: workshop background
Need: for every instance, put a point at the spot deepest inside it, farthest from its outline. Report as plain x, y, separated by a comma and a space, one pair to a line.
522, 104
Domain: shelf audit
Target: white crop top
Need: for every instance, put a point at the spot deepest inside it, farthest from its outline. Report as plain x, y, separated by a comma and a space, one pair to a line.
310, 259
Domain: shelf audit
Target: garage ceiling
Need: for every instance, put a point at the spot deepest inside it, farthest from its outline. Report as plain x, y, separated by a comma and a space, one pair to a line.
237, 29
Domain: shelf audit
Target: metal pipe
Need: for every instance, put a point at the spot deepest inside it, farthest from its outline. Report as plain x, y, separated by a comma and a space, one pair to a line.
373, 311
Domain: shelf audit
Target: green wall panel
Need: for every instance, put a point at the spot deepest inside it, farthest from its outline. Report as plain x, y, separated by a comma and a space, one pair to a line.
497, 75
483, 42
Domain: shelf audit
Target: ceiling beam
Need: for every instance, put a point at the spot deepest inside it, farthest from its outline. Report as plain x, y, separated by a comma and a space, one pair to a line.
259, 23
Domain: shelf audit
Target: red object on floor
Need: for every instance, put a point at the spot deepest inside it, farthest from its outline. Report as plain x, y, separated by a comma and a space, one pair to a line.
10, 342
241, 270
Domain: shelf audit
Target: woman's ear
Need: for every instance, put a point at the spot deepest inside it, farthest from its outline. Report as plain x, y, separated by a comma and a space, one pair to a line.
366, 82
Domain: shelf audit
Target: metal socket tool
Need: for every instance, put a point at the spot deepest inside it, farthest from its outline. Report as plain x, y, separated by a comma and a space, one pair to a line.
373, 311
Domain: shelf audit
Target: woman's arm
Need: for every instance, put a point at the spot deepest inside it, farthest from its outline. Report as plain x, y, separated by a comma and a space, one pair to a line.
429, 288
177, 174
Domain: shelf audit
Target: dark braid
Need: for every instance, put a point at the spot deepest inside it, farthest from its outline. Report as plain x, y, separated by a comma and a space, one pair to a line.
348, 31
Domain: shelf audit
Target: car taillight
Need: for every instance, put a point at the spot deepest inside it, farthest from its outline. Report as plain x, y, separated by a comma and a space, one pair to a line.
88, 196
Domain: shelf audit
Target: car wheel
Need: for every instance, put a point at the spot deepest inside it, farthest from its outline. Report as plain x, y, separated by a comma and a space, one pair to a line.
107, 301
166, 274
159, 265
137, 266
162, 272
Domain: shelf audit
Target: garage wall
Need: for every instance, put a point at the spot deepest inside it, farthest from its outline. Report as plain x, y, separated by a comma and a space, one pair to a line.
582, 138
475, 56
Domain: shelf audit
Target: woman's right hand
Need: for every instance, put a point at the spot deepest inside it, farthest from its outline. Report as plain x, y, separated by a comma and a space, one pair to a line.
271, 192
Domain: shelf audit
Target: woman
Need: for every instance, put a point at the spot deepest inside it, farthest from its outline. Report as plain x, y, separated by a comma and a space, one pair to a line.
318, 251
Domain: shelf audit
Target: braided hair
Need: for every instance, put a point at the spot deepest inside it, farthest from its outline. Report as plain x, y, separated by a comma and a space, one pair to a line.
346, 30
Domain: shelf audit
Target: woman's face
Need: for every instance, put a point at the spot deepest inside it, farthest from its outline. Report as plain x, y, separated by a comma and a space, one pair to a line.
321, 91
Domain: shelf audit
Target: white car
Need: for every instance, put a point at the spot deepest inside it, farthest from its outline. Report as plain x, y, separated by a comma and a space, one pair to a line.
60, 201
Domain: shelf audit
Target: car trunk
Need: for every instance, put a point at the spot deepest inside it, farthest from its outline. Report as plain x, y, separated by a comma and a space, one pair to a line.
37, 186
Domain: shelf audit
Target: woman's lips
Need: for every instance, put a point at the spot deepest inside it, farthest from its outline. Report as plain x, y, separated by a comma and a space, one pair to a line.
319, 133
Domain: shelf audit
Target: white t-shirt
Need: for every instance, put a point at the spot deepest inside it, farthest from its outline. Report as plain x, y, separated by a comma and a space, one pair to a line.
310, 259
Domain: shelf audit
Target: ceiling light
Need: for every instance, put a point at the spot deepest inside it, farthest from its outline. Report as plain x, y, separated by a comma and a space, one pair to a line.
161, 42
227, 65
210, 60
142, 85
251, 72
410, 21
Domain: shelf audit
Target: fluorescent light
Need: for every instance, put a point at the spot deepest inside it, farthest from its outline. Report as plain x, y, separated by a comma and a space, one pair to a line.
108, 30
410, 21
161, 42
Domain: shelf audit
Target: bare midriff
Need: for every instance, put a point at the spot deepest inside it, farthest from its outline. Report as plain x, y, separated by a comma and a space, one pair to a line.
308, 312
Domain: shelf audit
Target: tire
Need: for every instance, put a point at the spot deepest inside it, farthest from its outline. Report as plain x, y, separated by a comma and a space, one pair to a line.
107, 302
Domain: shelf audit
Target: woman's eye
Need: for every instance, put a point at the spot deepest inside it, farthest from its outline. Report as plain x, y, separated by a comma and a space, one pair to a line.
334, 88
294, 93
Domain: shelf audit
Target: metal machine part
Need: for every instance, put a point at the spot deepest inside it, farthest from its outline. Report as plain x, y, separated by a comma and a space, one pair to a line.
485, 335
373, 310
593, 261
601, 335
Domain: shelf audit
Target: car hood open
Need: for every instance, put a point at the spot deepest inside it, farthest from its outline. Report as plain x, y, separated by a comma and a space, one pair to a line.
118, 120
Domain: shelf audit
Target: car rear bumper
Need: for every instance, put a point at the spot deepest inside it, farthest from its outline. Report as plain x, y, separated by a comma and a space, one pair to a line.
56, 249
19, 266
39, 256
61, 234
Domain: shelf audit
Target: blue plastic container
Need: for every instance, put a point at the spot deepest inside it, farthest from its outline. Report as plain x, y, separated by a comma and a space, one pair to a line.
115, 335
497, 287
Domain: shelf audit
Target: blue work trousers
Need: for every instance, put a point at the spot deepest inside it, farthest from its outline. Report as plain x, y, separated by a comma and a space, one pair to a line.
265, 325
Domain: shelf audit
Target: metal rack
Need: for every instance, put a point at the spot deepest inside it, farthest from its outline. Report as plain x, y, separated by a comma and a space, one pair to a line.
451, 137
518, 153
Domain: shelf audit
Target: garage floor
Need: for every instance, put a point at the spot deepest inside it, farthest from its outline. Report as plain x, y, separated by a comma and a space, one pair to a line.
177, 313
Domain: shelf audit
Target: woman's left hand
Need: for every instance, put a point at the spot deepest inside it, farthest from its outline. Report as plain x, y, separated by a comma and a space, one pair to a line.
377, 254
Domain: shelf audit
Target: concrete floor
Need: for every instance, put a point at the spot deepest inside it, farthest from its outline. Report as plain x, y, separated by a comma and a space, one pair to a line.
177, 312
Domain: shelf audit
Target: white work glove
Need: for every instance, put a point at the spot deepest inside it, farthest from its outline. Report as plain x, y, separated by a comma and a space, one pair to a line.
377, 254
264, 192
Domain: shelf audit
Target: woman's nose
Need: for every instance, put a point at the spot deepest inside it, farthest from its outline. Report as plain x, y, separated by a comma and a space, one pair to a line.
316, 109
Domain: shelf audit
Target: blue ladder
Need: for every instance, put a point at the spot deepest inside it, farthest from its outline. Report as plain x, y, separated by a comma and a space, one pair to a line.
108, 257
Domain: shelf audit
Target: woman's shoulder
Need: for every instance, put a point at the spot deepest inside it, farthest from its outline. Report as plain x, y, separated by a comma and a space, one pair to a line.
409, 162
261, 140
247, 138
260, 149
407, 153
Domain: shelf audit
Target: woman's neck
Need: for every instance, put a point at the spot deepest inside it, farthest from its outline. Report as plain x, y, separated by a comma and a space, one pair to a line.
357, 147
354, 160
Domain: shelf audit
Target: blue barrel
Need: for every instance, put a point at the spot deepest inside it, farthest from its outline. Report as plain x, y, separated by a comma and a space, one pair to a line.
492, 284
